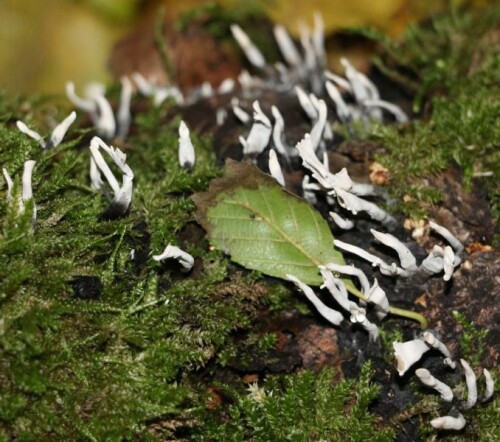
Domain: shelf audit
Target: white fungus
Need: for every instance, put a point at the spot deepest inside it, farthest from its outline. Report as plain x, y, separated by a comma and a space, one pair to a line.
449, 422
122, 194
434, 342
328, 313
260, 133
186, 149
253, 54
407, 353
174, 252
427, 379
470, 380
56, 136
275, 168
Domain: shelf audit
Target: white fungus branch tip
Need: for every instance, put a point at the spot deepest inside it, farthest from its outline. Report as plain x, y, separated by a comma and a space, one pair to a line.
427, 379
275, 168
186, 149
328, 313
470, 380
449, 422
182, 257
252, 53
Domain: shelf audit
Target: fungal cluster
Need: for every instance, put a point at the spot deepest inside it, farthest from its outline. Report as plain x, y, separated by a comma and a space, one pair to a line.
355, 100
409, 352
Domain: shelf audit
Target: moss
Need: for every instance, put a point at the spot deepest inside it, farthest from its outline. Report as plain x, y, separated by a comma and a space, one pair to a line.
92, 342
453, 65
472, 340
298, 407
97, 345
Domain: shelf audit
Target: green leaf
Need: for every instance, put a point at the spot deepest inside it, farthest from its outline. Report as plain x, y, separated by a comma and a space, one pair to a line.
264, 227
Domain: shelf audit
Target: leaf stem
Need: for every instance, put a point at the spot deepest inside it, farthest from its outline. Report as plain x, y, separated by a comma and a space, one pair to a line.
393, 310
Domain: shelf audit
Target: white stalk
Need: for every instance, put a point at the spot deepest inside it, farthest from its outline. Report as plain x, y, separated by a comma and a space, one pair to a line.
95, 144
470, 380
343, 223
123, 116
395, 110
287, 46
490, 385
434, 342
358, 315
248, 81
182, 257
307, 45
407, 353
336, 288
340, 105
84, 104
226, 86
352, 271
427, 379
123, 197
243, 116
356, 204
122, 194
206, 90
327, 133
449, 422
328, 313
94, 89
363, 189
371, 90
96, 181
10, 184
308, 190
358, 251
284, 75
358, 87
311, 161
186, 149
278, 132
220, 116
406, 258
338, 80
31, 133
385, 269
376, 295
306, 104
253, 54
320, 172
260, 132
145, 87
448, 236
318, 38
448, 263
319, 125
433, 263
275, 168
60, 130
27, 192
106, 124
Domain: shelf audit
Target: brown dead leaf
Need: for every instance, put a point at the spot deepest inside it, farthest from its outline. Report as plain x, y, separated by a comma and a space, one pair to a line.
195, 55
